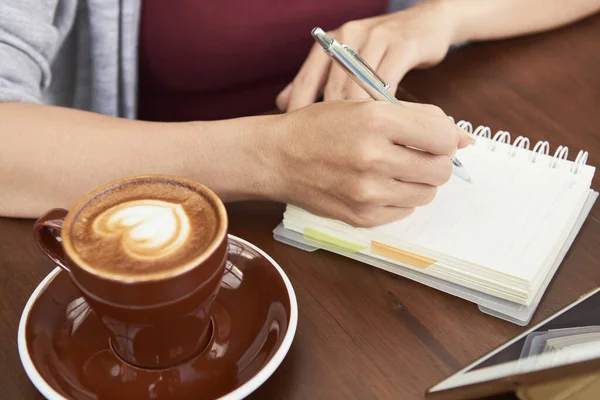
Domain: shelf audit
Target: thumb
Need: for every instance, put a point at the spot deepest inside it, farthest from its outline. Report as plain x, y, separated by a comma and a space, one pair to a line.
464, 138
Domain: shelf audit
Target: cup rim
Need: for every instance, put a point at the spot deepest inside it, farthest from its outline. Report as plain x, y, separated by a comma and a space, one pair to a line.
217, 240
239, 393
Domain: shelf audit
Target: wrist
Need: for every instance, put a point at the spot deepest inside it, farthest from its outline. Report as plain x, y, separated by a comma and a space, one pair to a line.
232, 156
262, 149
451, 15
271, 138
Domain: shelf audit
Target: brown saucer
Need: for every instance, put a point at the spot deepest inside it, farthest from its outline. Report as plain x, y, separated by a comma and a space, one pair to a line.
66, 352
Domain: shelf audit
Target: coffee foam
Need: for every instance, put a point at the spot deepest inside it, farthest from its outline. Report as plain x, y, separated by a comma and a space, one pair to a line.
148, 228
140, 229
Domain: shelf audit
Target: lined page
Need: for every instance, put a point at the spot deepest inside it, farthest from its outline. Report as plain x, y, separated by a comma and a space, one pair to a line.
507, 221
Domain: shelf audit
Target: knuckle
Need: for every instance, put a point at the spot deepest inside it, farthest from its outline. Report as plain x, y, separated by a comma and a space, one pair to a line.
410, 46
362, 194
363, 217
369, 157
443, 169
356, 220
436, 169
304, 78
379, 32
435, 110
349, 27
374, 116
333, 90
424, 195
419, 162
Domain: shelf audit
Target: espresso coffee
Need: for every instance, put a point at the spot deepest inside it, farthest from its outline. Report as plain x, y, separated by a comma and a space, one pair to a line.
144, 228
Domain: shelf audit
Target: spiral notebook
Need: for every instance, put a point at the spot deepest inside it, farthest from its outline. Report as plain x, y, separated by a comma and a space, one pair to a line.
500, 237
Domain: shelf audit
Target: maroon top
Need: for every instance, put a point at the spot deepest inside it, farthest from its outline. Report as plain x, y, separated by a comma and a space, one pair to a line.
216, 59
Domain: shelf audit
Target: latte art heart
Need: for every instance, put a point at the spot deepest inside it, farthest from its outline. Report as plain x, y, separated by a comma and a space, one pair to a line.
147, 228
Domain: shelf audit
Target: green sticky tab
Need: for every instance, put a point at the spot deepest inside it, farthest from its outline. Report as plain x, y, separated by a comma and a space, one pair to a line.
316, 236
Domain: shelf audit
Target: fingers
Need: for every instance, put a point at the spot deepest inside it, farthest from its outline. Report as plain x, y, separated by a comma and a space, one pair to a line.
411, 165
377, 216
433, 134
349, 34
382, 157
394, 193
373, 53
394, 65
377, 201
465, 138
422, 127
283, 99
308, 82
365, 216
378, 188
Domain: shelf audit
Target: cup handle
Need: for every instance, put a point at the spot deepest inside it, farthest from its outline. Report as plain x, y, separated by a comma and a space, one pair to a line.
46, 232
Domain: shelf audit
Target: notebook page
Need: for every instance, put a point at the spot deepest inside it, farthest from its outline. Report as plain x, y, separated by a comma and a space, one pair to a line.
542, 246
492, 222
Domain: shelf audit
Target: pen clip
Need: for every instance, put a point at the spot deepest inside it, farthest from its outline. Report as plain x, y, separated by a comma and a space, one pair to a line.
366, 65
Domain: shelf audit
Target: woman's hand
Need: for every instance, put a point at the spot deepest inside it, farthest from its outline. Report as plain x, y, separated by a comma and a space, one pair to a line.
392, 44
349, 160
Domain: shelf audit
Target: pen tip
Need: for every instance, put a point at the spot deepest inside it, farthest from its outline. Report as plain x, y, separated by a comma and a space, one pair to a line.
460, 171
466, 177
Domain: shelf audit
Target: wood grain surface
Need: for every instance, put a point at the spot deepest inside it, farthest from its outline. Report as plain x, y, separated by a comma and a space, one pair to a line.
364, 333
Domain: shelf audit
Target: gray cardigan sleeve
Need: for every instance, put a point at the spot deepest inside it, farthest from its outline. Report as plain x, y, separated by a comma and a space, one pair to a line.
31, 32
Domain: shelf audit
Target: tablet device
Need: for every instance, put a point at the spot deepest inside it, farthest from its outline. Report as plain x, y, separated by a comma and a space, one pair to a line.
565, 348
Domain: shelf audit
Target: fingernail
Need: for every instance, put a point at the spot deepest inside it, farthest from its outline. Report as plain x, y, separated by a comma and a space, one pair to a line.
471, 136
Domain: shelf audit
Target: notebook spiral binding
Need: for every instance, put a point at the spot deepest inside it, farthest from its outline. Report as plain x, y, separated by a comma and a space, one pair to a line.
522, 143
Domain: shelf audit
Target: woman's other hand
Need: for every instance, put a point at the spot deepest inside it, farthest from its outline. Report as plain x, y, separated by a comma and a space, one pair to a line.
392, 44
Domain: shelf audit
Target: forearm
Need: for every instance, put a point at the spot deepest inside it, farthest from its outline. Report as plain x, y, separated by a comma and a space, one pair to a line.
50, 156
476, 20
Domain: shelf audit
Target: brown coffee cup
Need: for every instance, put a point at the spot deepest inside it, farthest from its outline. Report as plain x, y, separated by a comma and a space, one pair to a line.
155, 318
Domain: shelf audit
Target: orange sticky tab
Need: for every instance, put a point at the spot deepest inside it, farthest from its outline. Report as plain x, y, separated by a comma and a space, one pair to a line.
405, 257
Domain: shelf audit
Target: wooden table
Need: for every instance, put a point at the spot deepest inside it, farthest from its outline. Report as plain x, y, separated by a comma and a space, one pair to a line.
364, 333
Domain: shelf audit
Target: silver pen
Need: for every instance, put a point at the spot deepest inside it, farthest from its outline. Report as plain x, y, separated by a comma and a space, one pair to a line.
365, 76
